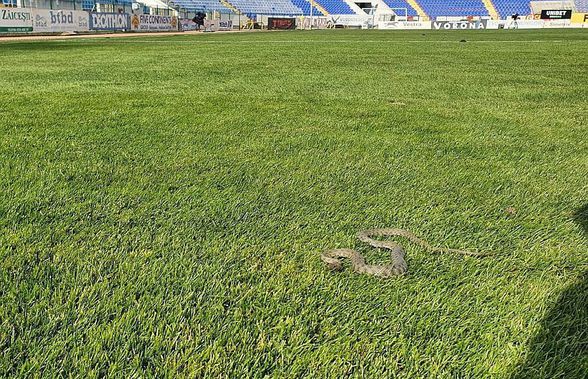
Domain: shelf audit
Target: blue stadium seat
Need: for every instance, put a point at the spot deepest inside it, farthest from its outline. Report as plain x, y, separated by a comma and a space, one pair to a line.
304, 5
402, 4
267, 7
116, 2
201, 5
582, 6
88, 5
453, 8
506, 8
336, 6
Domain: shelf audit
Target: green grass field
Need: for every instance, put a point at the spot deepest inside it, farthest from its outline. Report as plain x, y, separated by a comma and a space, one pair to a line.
164, 201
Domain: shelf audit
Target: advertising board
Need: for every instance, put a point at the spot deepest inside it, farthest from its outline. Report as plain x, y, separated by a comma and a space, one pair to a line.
401, 25
110, 21
149, 22
16, 20
552, 14
281, 23
46, 20
459, 25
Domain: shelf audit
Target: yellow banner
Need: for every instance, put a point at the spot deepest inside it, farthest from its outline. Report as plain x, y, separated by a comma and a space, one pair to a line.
579, 18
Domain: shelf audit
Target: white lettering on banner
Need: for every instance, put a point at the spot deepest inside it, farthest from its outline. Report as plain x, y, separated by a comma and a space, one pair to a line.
16, 20
109, 21
60, 21
461, 25
555, 13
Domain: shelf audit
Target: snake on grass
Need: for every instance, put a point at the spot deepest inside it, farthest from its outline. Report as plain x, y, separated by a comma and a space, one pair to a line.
398, 265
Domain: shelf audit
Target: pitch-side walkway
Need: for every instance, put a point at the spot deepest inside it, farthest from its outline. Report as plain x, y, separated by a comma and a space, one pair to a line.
105, 35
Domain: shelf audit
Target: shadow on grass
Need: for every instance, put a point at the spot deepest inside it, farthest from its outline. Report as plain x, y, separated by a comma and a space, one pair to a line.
560, 350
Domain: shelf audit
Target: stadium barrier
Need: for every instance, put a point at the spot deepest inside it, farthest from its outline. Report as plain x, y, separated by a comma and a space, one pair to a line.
150, 23
403, 25
351, 20
26, 20
186, 24
281, 23
306, 22
556, 24
579, 20
110, 21
16, 20
459, 25
60, 21
218, 25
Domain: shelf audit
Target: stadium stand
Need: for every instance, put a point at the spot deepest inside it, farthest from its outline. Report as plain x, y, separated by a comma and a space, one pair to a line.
506, 8
304, 5
88, 5
115, 2
582, 6
336, 6
201, 5
402, 4
266, 7
454, 8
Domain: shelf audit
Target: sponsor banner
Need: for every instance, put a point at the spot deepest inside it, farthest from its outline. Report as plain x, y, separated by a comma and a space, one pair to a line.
307, 22
404, 25
187, 24
350, 20
274, 23
525, 24
45, 20
225, 24
580, 18
556, 23
551, 14
216, 25
149, 22
459, 25
110, 21
16, 20
511, 24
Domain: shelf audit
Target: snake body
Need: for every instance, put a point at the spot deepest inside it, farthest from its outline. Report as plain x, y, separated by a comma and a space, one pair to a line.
398, 265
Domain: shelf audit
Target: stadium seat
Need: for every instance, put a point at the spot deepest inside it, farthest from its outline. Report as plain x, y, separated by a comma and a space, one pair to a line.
201, 5
267, 7
336, 6
453, 8
582, 6
506, 8
304, 5
88, 5
402, 4
116, 2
